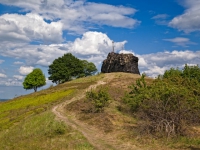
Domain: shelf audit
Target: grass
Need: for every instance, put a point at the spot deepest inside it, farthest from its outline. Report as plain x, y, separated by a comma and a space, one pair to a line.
14, 111
43, 132
27, 123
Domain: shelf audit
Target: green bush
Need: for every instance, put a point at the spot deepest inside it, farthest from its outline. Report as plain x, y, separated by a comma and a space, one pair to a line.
99, 98
169, 105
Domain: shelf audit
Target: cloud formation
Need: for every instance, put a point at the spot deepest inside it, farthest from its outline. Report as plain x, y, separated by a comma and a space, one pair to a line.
181, 41
161, 19
156, 63
189, 21
1, 61
93, 46
18, 77
24, 70
10, 82
78, 16
29, 28
18, 63
2, 75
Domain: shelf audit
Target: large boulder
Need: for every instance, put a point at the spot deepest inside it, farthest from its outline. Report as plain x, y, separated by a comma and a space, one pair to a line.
120, 63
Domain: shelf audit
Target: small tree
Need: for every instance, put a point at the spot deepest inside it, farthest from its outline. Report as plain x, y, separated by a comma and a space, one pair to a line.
99, 98
34, 80
89, 68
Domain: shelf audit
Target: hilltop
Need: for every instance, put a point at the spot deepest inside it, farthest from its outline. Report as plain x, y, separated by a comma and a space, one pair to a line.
61, 117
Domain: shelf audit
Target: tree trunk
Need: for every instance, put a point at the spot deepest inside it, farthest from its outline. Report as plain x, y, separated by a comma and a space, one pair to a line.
35, 89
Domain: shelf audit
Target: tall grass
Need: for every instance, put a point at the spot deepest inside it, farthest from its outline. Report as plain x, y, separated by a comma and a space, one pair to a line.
16, 110
42, 132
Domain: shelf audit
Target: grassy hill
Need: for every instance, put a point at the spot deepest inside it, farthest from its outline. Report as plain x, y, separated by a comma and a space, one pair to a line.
28, 122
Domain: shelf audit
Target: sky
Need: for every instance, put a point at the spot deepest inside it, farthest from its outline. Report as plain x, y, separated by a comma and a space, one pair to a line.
162, 34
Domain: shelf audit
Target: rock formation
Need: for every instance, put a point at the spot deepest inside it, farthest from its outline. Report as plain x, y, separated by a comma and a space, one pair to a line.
120, 63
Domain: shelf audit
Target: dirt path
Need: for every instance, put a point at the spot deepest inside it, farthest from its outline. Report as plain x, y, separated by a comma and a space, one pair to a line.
99, 140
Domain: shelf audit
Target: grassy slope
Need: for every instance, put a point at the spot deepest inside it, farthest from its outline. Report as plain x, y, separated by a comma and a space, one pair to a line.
27, 123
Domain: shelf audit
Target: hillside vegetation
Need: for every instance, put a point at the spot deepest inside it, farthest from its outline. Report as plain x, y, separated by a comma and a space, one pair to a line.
92, 116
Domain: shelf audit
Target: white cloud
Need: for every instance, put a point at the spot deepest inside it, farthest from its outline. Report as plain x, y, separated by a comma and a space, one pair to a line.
180, 41
18, 77
29, 27
111, 15
24, 70
155, 71
156, 63
142, 62
126, 52
161, 19
189, 21
93, 46
94, 43
16, 80
79, 16
35, 54
10, 82
160, 16
1, 61
18, 63
2, 75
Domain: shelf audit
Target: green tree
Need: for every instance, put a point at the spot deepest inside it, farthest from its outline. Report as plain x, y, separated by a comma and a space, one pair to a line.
191, 72
65, 68
34, 80
171, 73
89, 68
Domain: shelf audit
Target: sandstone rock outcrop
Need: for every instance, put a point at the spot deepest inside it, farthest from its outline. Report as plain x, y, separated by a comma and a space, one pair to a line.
120, 63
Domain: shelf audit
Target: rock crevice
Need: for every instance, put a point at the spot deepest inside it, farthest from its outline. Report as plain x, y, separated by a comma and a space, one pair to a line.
120, 63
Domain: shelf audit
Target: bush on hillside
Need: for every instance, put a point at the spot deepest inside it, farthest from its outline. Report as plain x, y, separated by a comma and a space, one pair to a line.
170, 104
99, 99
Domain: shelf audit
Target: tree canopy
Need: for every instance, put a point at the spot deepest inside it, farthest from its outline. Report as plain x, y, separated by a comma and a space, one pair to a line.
34, 80
89, 68
68, 67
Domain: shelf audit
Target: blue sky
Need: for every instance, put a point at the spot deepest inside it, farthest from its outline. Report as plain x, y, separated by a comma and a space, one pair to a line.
163, 34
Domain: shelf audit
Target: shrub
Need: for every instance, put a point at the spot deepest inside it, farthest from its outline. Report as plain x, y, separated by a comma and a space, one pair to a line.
99, 98
168, 106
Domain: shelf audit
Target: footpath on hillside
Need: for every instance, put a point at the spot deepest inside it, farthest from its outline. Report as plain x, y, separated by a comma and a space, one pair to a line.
98, 139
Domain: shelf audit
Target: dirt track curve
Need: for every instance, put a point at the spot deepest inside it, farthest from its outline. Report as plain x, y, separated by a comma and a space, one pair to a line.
99, 140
